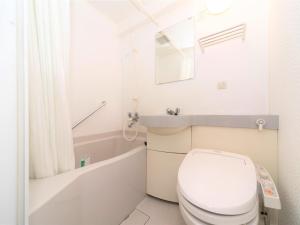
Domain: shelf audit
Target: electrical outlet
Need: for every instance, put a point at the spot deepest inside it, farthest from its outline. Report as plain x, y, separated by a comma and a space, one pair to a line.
222, 85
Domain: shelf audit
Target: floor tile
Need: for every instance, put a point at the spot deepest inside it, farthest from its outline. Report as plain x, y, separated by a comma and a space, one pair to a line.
136, 218
161, 212
153, 211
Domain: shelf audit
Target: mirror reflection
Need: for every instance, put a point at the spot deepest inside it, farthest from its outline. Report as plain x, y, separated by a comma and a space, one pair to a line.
175, 52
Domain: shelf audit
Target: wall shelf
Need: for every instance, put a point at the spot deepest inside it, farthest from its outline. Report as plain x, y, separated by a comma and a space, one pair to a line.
238, 31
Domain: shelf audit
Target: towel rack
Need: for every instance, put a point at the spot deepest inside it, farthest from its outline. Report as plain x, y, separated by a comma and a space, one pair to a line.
103, 103
222, 36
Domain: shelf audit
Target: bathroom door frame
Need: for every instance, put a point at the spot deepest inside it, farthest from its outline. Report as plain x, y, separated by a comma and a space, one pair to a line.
22, 189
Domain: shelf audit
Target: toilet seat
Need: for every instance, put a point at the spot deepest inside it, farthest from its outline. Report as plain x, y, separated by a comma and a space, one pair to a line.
218, 182
217, 219
218, 188
189, 219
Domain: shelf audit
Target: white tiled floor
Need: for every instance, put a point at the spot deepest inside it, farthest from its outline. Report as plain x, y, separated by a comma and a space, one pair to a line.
152, 211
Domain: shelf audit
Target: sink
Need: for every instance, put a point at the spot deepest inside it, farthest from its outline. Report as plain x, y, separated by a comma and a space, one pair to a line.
165, 121
166, 131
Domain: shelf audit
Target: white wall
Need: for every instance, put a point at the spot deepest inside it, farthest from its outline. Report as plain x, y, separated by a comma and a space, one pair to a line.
8, 113
243, 65
285, 101
95, 70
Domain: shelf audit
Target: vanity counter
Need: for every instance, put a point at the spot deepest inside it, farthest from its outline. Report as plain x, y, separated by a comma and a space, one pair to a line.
233, 121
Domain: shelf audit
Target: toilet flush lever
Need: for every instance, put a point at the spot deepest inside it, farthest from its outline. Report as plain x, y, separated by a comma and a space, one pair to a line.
260, 123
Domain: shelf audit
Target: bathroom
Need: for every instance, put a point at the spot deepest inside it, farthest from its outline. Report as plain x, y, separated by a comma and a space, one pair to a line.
134, 112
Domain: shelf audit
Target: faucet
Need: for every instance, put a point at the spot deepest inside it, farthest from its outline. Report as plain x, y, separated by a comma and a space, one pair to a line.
173, 112
133, 118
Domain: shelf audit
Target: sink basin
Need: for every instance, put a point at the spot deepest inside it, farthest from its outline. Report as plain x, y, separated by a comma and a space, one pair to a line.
165, 121
166, 131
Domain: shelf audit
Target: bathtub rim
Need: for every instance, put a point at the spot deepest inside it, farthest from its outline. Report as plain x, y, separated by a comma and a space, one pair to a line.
77, 144
42, 197
100, 136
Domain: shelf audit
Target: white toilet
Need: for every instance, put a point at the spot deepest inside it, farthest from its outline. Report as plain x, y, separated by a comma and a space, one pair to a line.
218, 188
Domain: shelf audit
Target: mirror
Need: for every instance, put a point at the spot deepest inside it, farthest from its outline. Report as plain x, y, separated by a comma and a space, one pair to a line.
174, 52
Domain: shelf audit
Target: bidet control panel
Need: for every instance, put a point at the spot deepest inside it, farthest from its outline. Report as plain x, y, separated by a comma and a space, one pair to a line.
269, 190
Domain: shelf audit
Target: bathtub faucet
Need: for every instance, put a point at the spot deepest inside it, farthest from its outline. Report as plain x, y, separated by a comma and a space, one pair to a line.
172, 112
133, 119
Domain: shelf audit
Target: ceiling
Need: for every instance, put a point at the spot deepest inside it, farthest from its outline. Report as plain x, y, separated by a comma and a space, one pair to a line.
119, 10
116, 10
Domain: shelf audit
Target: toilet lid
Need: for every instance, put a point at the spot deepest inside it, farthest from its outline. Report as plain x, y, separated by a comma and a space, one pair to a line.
218, 182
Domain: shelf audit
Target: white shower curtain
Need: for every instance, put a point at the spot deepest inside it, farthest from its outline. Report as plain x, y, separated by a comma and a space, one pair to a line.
51, 145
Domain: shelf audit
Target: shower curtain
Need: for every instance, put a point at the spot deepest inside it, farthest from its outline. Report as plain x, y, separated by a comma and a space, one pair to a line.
51, 145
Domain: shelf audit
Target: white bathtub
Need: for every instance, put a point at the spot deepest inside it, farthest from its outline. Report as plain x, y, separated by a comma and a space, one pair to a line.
102, 193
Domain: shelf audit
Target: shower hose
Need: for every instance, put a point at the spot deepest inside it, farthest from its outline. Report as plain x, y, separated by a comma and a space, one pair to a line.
132, 138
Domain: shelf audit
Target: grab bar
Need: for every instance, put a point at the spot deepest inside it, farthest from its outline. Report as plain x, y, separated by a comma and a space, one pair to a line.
103, 103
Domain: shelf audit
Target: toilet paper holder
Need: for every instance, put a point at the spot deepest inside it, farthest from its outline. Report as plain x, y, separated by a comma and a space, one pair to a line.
260, 123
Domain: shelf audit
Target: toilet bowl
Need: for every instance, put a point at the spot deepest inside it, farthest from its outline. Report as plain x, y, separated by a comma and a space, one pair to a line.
217, 188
